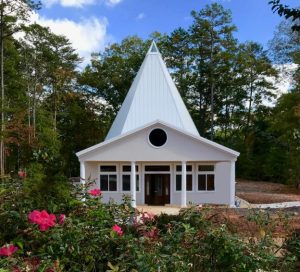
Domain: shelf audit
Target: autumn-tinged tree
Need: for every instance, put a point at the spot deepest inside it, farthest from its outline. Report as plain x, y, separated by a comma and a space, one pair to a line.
12, 16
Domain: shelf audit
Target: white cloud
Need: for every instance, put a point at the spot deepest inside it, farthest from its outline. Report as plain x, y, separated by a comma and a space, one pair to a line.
141, 16
221, 0
87, 35
68, 3
79, 3
283, 83
112, 3
285, 78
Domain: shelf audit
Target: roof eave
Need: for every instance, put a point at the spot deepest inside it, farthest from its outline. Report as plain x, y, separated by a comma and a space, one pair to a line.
119, 137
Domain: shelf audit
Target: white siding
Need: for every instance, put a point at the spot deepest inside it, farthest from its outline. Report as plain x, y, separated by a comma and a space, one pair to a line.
179, 147
221, 195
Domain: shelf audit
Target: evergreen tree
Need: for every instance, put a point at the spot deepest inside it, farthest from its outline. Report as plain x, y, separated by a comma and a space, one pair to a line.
211, 37
111, 73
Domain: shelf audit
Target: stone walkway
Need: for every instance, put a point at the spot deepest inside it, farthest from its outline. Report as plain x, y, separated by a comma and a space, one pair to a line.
159, 209
277, 205
244, 204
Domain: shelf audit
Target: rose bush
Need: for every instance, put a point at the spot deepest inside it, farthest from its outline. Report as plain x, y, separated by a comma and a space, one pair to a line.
92, 236
8, 250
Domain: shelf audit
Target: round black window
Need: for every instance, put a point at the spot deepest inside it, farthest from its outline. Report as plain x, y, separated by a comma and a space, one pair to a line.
157, 137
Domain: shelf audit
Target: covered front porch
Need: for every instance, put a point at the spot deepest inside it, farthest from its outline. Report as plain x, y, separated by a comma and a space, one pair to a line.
163, 183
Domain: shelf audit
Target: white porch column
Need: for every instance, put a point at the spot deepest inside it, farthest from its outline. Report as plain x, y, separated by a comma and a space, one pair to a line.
183, 184
82, 172
133, 185
232, 184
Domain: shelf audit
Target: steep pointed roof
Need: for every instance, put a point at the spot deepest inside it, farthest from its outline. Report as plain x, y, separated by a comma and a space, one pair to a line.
152, 96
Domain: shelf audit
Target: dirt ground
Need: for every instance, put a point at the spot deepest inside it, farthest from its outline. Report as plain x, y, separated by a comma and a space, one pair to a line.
258, 192
284, 221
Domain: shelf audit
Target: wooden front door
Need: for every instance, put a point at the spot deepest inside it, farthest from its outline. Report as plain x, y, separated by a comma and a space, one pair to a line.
157, 189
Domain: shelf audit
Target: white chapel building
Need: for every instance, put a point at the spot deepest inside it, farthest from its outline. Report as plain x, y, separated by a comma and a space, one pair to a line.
153, 151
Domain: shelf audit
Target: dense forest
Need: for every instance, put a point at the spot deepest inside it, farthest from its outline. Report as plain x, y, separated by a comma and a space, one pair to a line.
51, 107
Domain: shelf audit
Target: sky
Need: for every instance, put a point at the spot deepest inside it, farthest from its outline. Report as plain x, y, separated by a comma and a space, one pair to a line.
93, 24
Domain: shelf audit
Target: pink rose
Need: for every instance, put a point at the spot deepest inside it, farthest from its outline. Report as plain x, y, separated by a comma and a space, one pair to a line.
147, 217
153, 233
8, 250
22, 174
43, 219
117, 229
95, 192
61, 218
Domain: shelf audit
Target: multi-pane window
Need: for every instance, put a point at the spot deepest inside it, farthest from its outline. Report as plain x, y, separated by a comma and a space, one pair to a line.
189, 178
126, 171
206, 178
157, 168
108, 178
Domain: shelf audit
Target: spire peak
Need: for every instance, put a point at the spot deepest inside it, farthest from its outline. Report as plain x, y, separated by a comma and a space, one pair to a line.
153, 48
152, 97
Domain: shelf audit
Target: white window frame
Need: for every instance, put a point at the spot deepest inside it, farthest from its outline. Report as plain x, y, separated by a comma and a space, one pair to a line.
138, 173
205, 173
153, 163
148, 135
116, 173
187, 173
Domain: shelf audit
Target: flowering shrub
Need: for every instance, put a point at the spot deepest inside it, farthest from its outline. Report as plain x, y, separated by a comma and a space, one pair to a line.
8, 250
95, 192
22, 174
43, 219
110, 237
147, 217
117, 229
152, 233
61, 218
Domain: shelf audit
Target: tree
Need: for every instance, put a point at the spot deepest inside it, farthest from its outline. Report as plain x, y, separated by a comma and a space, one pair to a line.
287, 12
284, 49
255, 72
111, 73
63, 72
36, 66
286, 125
12, 16
82, 122
211, 37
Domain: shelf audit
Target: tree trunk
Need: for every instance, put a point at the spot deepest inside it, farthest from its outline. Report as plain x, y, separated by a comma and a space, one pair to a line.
226, 121
2, 147
29, 114
34, 112
250, 105
212, 87
55, 111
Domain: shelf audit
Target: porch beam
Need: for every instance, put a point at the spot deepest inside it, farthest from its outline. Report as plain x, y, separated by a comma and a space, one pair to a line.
183, 184
133, 185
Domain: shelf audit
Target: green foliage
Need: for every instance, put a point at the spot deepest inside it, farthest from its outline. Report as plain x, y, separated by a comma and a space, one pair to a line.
85, 241
111, 73
53, 110
287, 12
